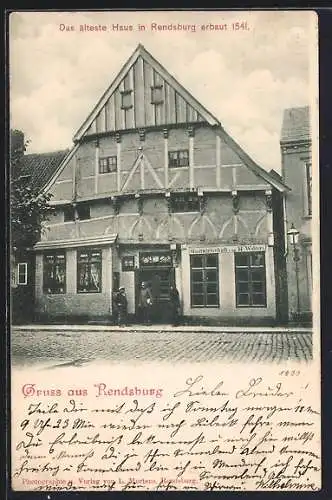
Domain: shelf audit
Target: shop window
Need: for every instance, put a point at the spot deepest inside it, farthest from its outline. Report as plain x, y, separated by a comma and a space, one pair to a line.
126, 99
179, 158
184, 202
108, 165
157, 94
308, 188
204, 280
22, 273
250, 279
54, 278
89, 266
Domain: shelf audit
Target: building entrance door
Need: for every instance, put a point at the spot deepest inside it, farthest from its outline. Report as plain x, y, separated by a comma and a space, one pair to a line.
159, 281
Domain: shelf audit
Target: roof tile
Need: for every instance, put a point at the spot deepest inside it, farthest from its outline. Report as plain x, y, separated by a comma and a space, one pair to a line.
41, 167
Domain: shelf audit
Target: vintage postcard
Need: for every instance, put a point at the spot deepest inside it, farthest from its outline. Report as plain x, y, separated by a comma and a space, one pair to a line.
165, 325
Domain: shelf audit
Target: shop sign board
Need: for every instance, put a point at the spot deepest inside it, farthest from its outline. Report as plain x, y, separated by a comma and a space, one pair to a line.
227, 249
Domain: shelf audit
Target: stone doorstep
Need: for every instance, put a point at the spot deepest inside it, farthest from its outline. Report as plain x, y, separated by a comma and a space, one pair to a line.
163, 328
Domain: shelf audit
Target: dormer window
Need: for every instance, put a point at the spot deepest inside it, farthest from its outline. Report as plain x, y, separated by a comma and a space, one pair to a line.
157, 96
126, 99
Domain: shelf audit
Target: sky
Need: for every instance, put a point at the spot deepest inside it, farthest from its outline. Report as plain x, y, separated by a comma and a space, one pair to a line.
245, 77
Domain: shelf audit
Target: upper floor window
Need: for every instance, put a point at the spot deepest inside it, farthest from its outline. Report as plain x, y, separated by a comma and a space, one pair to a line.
157, 94
308, 188
22, 273
69, 213
107, 164
184, 202
126, 99
250, 279
82, 212
54, 277
179, 158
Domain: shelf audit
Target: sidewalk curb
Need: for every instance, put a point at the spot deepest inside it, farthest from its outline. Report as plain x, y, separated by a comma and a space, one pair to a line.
161, 328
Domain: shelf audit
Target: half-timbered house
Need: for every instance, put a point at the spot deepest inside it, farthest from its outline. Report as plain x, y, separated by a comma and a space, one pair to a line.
154, 189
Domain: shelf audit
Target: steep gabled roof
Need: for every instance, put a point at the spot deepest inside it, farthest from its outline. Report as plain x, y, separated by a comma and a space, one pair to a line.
142, 53
268, 177
296, 125
40, 167
196, 110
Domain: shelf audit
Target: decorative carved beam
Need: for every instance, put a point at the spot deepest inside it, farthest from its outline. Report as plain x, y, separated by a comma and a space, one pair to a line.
116, 204
139, 200
235, 201
141, 133
268, 200
169, 204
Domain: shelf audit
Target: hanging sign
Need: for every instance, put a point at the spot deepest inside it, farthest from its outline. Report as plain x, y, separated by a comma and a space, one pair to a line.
128, 263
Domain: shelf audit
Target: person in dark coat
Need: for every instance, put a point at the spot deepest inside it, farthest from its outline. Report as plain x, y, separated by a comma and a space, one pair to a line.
122, 306
145, 303
175, 305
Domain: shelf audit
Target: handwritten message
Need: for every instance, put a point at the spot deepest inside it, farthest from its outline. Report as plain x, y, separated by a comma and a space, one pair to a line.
198, 431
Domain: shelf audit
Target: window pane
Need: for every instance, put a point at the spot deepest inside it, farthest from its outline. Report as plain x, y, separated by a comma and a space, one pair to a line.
197, 299
95, 277
197, 261
258, 299
243, 299
212, 288
197, 287
258, 275
243, 287
212, 300
257, 260
241, 259
211, 275
212, 261
242, 275
258, 287
197, 275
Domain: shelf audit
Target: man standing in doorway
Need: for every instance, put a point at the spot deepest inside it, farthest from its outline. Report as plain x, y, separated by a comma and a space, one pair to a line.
122, 305
145, 303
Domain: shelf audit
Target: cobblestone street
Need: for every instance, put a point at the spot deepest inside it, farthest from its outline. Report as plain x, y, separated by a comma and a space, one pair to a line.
75, 346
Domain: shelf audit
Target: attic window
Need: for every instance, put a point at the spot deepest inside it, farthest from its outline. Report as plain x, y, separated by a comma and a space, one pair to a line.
157, 94
126, 99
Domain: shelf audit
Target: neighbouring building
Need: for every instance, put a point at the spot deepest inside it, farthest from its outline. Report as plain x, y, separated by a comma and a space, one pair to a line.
297, 174
30, 170
154, 189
